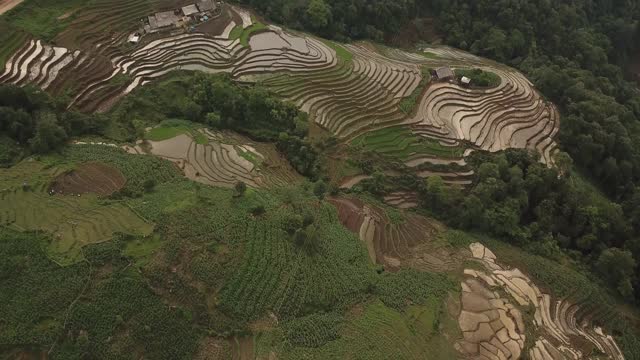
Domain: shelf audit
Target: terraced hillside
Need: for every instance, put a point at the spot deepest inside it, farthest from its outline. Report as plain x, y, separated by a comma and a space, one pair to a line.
220, 159
89, 178
74, 221
493, 325
493, 310
349, 90
396, 241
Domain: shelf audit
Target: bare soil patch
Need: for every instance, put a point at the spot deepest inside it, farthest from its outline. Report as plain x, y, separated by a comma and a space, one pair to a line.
216, 26
94, 178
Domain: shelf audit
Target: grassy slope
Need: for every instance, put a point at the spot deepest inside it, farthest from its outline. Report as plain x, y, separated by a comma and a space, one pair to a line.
408, 104
480, 78
398, 142
40, 17
75, 221
244, 34
172, 128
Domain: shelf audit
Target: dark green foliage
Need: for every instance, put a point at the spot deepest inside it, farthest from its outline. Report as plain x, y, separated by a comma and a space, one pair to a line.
319, 189
35, 291
300, 153
411, 287
340, 19
520, 200
240, 188
124, 303
217, 101
479, 78
38, 123
617, 266
149, 185
574, 53
313, 330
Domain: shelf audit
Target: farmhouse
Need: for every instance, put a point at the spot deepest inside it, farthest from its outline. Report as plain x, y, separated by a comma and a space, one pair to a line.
162, 20
443, 73
465, 81
190, 10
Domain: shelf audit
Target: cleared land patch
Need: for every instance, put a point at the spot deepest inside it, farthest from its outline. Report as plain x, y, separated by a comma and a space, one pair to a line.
73, 222
96, 178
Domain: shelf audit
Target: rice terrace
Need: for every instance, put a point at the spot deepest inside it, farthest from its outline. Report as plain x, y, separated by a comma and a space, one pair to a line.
319, 179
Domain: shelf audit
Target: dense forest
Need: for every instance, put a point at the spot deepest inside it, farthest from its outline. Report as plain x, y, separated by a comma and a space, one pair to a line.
33, 122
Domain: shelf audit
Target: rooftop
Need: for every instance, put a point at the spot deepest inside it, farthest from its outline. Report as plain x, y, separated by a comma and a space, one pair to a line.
207, 5
444, 72
190, 10
162, 19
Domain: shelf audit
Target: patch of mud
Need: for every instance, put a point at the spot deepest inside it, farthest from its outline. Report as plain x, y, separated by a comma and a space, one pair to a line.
94, 178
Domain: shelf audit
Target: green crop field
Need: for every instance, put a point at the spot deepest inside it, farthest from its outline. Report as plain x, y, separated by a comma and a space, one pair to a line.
72, 221
41, 18
171, 128
398, 142
244, 34
409, 103
343, 54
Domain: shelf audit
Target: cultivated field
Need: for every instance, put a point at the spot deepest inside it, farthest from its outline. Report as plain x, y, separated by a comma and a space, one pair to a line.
349, 90
94, 178
494, 325
73, 220
395, 239
220, 159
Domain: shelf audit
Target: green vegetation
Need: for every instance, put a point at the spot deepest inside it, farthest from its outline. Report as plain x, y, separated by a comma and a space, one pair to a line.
244, 34
428, 54
218, 102
408, 104
236, 32
249, 155
11, 39
41, 291
479, 78
136, 169
343, 54
171, 128
42, 18
35, 123
73, 221
399, 142
372, 332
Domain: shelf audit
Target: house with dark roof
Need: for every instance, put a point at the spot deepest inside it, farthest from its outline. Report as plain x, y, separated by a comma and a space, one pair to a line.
443, 73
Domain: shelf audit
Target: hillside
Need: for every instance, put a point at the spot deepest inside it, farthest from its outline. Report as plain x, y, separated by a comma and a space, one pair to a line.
191, 180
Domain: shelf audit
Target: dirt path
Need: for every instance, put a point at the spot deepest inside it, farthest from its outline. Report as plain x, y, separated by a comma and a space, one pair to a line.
6, 5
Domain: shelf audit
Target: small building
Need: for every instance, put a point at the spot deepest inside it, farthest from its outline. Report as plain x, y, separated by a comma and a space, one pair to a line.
465, 81
443, 73
190, 10
134, 38
163, 19
207, 5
